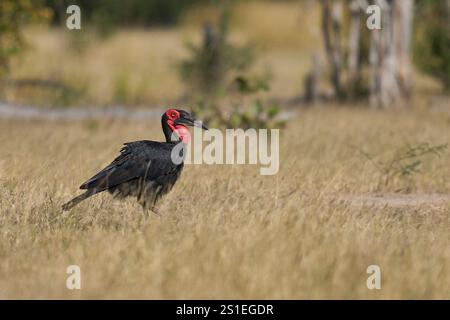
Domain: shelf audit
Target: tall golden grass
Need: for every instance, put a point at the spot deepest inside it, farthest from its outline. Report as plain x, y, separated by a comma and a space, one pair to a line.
225, 231
134, 67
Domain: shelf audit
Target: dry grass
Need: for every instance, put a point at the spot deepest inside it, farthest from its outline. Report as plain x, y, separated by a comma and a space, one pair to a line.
225, 231
133, 67
138, 67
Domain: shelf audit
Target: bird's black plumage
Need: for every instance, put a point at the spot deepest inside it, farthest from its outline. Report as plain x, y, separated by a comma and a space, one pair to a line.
144, 169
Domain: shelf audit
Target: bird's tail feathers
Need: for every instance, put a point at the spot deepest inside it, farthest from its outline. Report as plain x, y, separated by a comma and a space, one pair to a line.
72, 203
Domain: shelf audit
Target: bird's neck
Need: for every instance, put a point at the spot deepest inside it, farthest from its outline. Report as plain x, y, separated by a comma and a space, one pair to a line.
176, 133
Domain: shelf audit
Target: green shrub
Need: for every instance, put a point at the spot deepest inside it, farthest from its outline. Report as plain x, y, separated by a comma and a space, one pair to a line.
108, 13
432, 43
404, 162
242, 105
211, 62
14, 15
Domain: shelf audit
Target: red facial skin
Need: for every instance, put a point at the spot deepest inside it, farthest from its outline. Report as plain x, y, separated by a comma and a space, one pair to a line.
181, 130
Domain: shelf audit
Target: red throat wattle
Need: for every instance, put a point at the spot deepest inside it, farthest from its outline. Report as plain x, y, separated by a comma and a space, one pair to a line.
183, 133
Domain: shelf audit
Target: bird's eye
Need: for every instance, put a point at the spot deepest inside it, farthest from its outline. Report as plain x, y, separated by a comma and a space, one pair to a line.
174, 115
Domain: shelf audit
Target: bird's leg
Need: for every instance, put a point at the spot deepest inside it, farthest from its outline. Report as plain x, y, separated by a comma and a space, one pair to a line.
155, 211
145, 212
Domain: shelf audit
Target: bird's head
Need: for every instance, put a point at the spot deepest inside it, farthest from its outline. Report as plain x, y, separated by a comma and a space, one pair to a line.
176, 121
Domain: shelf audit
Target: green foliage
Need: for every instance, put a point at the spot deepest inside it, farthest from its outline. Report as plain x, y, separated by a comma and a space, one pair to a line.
403, 163
107, 13
257, 115
211, 62
14, 15
432, 45
241, 106
245, 86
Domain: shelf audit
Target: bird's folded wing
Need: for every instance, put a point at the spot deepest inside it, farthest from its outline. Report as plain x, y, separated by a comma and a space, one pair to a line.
138, 159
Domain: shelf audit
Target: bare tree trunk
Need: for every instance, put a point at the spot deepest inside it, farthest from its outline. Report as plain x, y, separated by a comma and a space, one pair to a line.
353, 47
404, 13
331, 28
312, 80
384, 89
390, 68
389, 84
374, 62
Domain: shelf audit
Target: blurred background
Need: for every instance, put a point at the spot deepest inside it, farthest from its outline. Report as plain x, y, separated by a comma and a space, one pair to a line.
237, 63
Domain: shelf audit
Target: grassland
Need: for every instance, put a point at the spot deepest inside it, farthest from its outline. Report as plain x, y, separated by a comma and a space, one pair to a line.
138, 67
225, 231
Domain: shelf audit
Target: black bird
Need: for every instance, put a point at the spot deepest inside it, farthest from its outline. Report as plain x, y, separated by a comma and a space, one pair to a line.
144, 169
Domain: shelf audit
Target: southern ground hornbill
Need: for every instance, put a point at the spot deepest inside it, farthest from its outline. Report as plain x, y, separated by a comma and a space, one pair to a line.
144, 169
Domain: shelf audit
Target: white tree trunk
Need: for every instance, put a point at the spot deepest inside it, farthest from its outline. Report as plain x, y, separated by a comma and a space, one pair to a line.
404, 13
390, 60
390, 68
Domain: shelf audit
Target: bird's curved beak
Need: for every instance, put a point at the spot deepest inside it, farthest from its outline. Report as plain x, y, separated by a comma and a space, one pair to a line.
190, 121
